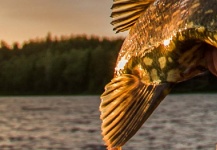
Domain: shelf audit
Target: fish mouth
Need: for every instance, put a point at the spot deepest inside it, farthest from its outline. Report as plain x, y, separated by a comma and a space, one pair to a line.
211, 60
197, 48
208, 49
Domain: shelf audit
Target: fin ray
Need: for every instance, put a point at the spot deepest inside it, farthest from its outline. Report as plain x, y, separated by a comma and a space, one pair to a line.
126, 12
129, 106
129, 115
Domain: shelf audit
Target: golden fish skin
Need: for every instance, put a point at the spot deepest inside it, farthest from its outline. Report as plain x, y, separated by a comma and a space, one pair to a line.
169, 41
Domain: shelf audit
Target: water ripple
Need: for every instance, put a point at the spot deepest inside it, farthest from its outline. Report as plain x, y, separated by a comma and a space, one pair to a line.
181, 122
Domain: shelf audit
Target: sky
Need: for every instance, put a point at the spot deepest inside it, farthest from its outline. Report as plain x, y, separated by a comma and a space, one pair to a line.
21, 20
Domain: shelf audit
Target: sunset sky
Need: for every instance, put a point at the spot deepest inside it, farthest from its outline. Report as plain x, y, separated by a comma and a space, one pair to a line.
21, 20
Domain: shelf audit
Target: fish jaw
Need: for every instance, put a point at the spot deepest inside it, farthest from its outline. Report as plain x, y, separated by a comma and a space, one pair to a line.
125, 105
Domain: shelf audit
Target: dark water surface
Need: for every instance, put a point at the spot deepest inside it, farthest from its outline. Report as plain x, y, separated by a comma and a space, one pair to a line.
181, 122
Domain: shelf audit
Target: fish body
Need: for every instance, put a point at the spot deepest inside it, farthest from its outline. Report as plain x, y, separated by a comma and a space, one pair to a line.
169, 41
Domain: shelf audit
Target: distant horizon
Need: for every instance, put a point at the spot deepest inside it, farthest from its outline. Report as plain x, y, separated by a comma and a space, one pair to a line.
58, 37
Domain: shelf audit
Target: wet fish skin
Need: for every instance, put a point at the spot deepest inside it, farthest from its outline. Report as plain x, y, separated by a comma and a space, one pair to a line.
157, 25
171, 41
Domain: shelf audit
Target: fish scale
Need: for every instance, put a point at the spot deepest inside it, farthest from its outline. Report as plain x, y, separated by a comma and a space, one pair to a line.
169, 41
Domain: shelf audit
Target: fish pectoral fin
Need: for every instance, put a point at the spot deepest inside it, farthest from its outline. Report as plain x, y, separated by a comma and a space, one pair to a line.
126, 12
116, 148
126, 104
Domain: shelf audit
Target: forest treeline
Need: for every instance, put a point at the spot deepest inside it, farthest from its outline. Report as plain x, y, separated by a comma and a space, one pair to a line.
78, 64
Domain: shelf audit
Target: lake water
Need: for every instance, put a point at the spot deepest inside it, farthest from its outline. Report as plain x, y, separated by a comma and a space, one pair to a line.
181, 122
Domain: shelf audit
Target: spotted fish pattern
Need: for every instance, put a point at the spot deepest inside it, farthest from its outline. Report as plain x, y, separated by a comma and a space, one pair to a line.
169, 41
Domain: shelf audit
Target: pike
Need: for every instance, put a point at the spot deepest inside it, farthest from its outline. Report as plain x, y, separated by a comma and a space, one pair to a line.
169, 41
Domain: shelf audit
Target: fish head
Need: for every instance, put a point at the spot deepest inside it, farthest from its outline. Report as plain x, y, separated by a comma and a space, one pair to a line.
170, 41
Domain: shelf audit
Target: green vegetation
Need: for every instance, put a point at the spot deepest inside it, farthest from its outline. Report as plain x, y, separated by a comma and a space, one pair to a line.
69, 65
